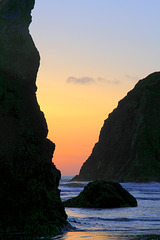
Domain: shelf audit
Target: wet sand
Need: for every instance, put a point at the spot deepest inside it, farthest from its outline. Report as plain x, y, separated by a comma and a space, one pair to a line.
100, 235
90, 235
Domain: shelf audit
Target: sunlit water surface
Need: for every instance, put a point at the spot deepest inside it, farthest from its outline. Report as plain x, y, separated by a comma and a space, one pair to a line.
118, 223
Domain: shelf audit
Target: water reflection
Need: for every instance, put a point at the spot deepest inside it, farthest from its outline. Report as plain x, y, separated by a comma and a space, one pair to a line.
93, 236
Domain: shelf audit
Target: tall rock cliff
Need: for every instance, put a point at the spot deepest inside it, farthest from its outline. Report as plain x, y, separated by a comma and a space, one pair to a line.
29, 196
129, 144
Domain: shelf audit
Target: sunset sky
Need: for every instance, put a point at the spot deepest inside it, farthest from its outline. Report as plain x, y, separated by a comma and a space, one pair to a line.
92, 53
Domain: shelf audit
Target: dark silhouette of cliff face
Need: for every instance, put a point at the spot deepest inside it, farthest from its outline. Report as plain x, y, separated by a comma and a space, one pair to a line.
129, 144
29, 195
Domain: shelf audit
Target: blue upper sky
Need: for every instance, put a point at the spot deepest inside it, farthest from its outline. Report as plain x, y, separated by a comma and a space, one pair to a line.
92, 53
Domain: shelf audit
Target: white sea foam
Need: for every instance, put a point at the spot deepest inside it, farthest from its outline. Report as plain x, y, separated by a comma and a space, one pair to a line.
141, 220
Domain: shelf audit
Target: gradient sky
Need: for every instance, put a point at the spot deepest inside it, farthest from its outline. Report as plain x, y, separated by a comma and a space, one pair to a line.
92, 53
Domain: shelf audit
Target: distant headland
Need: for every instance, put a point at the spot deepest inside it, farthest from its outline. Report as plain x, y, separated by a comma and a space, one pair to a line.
129, 143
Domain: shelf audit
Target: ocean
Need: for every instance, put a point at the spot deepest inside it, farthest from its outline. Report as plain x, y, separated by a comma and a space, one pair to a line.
117, 223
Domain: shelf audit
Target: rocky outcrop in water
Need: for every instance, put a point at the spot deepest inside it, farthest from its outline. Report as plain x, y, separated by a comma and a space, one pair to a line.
129, 144
29, 196
101, 194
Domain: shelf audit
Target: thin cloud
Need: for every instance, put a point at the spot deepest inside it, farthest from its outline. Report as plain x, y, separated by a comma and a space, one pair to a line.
89, 80
81, 80
116, 82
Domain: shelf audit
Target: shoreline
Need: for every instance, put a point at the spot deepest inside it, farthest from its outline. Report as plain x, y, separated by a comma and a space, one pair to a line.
103, 235
89, 235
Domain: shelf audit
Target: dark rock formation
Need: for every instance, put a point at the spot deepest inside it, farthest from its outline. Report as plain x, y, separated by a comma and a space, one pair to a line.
129, 142
29, 195
101, 194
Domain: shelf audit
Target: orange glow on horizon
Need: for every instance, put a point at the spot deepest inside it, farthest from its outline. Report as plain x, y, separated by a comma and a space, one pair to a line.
111, 45
75, 115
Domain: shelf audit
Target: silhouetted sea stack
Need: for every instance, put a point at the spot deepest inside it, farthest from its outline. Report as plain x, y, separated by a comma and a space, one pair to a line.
129, 143
29, 196
102, 194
